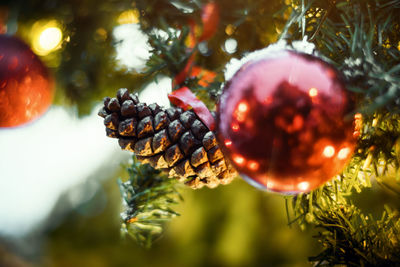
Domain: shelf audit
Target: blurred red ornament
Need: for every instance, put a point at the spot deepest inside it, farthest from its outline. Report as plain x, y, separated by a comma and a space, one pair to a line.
282, 121
25, 87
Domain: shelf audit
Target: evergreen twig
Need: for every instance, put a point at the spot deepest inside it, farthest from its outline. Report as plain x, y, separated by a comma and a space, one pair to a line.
147, 197
170, 53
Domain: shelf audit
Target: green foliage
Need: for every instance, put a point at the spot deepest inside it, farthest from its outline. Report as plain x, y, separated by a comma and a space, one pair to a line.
169, 54
349, 237
147, 197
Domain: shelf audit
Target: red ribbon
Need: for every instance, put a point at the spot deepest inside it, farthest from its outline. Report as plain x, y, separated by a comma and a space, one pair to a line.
184, 98
181, 76
210, 20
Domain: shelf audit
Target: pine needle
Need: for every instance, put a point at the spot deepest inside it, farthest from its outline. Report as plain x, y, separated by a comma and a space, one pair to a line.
147, 197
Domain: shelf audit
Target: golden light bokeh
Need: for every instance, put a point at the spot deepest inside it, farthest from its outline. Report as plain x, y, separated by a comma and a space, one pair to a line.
230, 29
47, 37
130, 16
50, 38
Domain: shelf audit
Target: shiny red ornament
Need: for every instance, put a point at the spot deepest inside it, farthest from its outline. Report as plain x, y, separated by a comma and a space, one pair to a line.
25, 87
283, 122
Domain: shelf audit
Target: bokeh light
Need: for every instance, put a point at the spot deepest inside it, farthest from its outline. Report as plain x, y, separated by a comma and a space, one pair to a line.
50, 38
130, 16
230, 45
303, 186
313, 92
344, 153
329, 151
239, 159
46, 37
228, 143
230, 29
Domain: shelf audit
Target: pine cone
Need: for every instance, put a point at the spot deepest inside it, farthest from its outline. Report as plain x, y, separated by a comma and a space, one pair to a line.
171, 139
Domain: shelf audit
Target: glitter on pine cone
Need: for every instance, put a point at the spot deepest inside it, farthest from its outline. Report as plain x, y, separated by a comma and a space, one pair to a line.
172, 140
282, 120
26, 90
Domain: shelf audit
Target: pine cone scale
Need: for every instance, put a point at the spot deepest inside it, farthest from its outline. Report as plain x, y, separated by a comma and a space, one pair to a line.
173, 155
143, 147
161, 141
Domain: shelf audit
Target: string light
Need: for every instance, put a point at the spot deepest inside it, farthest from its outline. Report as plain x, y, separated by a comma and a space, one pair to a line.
239, 160
228, 143
243, 106
343, 153
241, 111
313, 92
253, 165
329, 151
303, 186
270, 184
235, 127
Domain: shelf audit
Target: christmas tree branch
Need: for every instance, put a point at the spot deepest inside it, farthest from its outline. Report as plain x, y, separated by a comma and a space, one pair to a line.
169, 54
147, 197
352, 238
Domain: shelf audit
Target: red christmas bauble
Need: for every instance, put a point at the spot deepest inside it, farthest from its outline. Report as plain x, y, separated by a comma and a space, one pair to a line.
282, 120
25, 87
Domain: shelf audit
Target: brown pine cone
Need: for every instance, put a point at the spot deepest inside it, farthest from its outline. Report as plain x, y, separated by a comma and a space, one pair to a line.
171, 139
